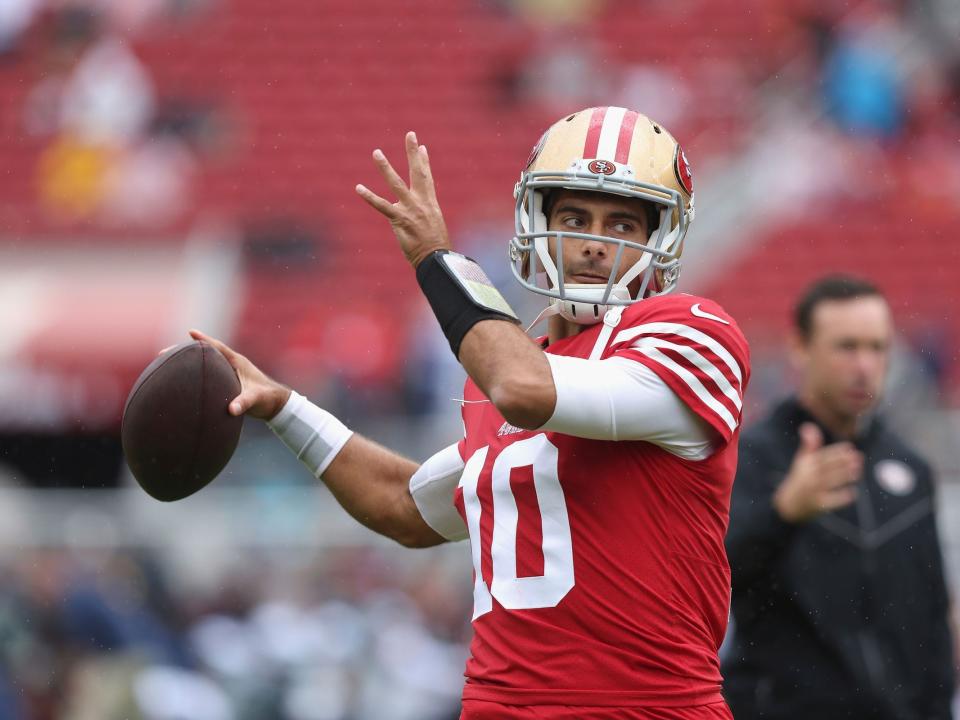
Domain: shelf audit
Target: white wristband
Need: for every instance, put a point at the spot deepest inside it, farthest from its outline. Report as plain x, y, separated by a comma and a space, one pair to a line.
312, 434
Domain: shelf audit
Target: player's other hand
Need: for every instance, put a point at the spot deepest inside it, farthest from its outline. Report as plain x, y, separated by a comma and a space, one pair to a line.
260, 396
821, 478
415, 217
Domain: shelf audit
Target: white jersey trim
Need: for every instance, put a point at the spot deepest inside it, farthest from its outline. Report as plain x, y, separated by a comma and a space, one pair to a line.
684, 331
694, 384
622, 399
432, 487
695, 358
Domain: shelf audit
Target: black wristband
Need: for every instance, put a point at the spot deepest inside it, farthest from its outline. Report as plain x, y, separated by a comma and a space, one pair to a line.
460, 294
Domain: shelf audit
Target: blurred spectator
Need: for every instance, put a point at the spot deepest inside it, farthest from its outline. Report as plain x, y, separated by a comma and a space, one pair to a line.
557, 12
164, 693
108, 160
661, 89
10, 706
108, 98
928, 161
433, 379
862, 79
839, 598
940, 23
933, 346
135, 16
148, 185
283, 245
79, 639
15, 18
566, 68
203, 125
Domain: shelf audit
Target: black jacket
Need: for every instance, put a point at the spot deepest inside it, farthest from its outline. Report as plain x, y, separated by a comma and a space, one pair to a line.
844, 616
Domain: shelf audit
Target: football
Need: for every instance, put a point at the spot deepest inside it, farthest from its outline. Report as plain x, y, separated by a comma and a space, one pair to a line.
176, 432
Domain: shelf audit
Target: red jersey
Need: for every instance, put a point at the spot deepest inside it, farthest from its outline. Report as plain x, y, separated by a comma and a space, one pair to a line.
600, 572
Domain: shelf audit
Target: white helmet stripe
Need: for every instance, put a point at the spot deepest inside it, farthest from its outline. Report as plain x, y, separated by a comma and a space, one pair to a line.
610, 133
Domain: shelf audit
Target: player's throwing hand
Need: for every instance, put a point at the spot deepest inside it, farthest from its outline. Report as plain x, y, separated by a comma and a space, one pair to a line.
260, 396
416, 217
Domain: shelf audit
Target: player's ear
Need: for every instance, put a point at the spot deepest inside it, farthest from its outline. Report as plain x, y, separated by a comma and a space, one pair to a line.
798, 349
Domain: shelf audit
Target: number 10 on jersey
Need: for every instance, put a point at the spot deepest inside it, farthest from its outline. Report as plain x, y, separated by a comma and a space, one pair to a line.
512, 592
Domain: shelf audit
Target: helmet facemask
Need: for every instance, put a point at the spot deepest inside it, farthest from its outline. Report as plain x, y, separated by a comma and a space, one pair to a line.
538, 271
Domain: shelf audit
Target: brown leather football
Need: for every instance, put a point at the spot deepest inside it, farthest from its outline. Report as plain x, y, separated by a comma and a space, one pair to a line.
177, 434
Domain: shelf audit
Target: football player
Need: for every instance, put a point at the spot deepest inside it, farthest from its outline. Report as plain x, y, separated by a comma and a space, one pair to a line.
594, 475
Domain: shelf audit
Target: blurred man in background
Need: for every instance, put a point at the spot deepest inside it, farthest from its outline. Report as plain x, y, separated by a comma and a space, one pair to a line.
839, 601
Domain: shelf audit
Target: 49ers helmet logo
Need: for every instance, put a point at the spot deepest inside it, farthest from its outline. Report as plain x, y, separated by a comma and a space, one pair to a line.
682, 170
602, 167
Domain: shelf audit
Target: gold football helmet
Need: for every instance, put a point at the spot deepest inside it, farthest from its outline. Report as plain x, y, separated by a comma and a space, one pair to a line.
610, 150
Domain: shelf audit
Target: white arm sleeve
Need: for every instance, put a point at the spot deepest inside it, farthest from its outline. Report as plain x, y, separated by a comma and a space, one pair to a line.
432, 487
619, 399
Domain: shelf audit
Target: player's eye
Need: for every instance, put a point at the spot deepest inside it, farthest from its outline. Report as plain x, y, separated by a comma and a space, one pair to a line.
623, 228
573, 221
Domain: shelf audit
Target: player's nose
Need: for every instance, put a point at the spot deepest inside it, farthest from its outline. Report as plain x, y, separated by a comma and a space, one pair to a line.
595, 248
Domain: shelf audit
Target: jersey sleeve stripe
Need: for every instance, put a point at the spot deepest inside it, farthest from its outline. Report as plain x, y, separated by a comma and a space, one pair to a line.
684, 331
709, 355
694, 384
699, 361
704, 379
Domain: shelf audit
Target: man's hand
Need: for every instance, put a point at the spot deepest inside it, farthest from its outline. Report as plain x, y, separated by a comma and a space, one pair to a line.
416, 217
820, 479
260, 396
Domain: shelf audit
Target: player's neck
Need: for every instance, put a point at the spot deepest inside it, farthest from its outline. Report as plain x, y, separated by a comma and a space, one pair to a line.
559, 328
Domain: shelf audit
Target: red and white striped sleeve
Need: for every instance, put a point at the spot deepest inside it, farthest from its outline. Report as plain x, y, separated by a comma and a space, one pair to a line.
696, 349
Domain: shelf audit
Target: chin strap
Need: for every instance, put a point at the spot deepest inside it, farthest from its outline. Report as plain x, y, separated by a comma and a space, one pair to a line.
582, 304
549, 311
610, 321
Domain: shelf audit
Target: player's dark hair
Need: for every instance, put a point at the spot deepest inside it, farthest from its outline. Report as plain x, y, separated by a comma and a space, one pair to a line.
831, 287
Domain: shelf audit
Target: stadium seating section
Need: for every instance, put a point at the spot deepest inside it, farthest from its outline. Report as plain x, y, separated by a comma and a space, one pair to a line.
311, 87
